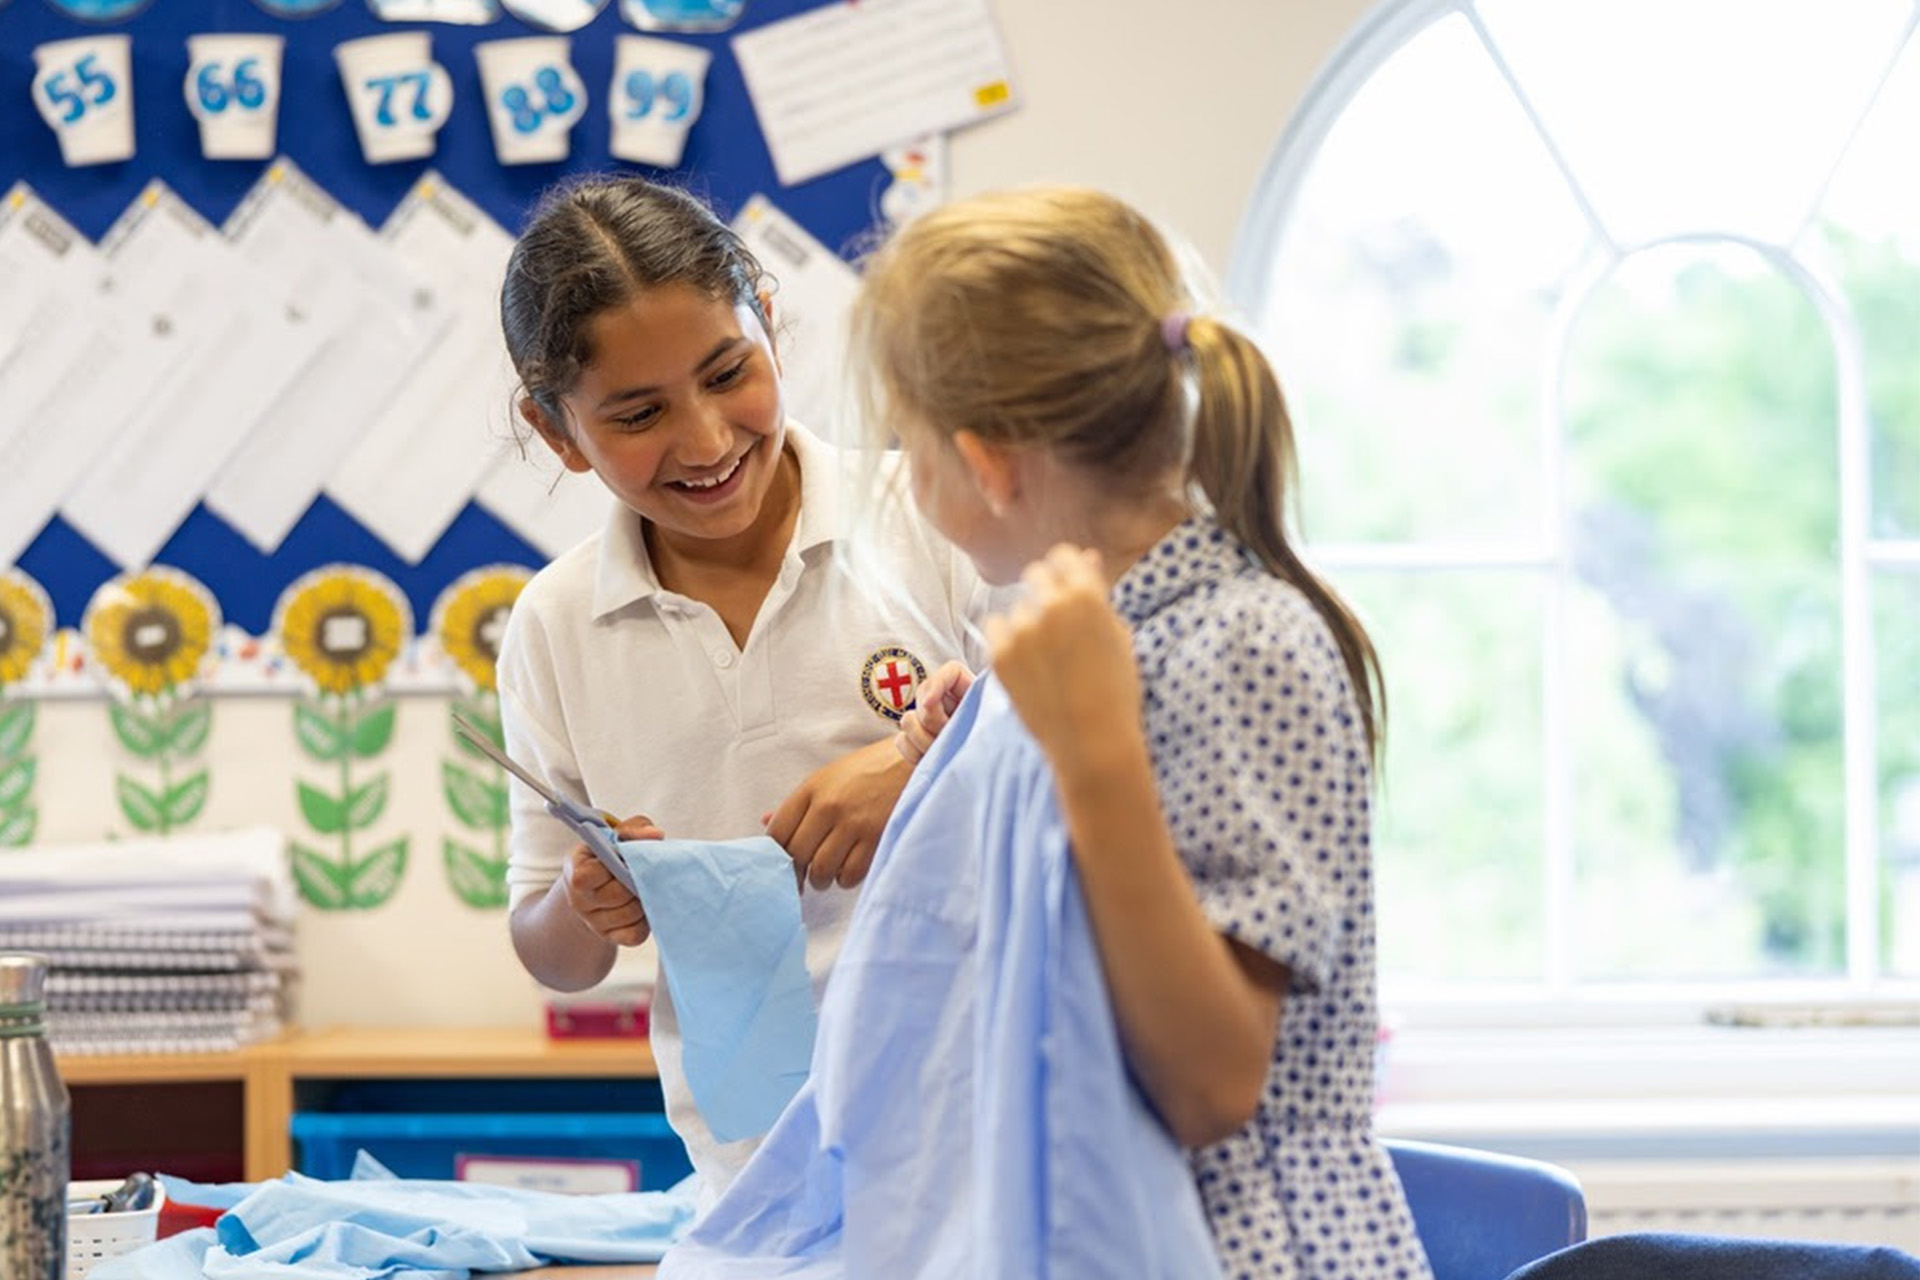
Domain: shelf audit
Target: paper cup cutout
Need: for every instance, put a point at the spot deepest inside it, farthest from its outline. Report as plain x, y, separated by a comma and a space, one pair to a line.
295, 8
84, 91
534, 96
233, 90
658, 88
399, 95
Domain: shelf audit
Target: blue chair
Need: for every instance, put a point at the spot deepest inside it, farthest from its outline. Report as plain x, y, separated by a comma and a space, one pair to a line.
1481, 1214
1659, 1255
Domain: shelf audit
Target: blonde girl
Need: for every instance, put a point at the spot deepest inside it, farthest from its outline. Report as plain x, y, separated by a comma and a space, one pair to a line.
1210, 709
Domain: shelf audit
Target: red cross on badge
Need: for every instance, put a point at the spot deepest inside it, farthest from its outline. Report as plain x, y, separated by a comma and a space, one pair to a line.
888, 680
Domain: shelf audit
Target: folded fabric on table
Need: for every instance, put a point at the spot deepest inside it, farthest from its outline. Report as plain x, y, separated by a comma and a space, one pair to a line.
377, 1227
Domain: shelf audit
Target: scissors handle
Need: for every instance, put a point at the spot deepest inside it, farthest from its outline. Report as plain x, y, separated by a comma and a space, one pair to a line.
599, 837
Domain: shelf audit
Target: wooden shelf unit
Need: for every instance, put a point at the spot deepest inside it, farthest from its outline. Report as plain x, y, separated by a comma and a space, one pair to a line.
268, 1073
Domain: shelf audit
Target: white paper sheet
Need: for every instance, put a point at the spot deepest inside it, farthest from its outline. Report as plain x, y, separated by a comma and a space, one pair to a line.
416, 467
810, 308
328, 261
46, 281
64, 392
541, 501
841, 83
242, 344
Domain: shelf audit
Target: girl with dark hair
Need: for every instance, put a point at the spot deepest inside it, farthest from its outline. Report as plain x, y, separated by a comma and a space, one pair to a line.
699, 666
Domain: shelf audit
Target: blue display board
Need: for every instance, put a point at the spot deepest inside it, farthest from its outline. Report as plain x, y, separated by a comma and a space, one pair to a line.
726, 161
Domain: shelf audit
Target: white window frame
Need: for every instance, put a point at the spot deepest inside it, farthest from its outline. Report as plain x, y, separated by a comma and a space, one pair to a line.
1861, 995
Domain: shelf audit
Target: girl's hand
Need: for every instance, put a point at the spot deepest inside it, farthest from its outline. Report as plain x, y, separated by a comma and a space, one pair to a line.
933, 704
831, 824
602, 902
1065, 658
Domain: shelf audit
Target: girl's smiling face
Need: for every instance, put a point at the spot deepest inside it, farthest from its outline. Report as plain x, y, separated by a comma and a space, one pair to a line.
678, 411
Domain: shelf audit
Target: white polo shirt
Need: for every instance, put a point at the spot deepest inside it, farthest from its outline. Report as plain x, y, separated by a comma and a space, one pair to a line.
635, 699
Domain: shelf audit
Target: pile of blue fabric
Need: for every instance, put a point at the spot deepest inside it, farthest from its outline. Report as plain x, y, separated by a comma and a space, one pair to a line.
374, 1226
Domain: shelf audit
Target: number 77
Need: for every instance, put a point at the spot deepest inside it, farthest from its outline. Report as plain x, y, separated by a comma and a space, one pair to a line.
387, 86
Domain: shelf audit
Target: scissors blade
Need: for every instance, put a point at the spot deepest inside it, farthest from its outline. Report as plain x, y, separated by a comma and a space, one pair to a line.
595, 829
480, 742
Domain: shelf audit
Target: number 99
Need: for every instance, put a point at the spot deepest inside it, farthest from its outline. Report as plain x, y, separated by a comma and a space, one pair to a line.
675, 90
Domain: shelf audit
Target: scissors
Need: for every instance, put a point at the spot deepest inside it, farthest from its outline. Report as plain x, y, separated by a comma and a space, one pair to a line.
593, 826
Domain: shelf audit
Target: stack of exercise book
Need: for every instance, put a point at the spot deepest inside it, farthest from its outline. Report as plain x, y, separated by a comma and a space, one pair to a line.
182, 944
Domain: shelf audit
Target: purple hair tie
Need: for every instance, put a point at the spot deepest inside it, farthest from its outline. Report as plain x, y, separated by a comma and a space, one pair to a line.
1173, 332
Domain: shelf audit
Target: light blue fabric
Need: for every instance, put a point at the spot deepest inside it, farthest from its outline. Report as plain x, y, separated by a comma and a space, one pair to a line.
726, 918
408, 1229
969, 1111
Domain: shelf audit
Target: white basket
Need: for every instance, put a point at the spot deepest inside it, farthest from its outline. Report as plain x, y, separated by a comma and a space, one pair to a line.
92, 1238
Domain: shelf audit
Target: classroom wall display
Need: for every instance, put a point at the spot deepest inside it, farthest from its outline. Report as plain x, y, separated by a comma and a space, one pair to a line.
248, 211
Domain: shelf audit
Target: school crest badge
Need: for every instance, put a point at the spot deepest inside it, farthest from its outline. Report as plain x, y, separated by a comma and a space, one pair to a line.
888, 680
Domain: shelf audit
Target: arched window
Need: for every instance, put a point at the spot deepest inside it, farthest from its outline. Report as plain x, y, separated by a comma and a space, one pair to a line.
1601, 327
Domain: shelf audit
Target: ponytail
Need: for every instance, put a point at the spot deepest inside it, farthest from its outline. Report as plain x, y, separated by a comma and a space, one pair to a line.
1243, 462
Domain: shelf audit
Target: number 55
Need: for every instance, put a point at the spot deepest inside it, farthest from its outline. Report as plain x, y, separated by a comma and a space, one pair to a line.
73, 102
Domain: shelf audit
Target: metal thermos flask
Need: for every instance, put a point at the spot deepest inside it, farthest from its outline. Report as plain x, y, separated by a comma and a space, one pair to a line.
36, 1118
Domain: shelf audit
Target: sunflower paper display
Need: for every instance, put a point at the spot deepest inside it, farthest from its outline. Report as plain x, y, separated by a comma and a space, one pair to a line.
468, 620
148, 634
26, 619
344, 627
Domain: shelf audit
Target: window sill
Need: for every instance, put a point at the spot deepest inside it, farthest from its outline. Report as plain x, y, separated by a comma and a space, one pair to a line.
1658, 1093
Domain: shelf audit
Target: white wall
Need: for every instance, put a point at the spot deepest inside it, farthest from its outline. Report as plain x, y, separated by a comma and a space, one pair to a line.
1174, 106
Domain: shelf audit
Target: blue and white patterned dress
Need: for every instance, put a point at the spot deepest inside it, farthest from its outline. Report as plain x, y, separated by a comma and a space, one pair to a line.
1265, 779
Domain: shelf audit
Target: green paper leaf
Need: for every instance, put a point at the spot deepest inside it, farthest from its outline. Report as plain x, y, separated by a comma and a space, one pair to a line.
365, 804
478, 880
477, 802
16, 780
142, 807
184, 801
191, 724
377, 875
139, 733
17, 828
322, 811
319, 736
372, 732
16, 726
321, 882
